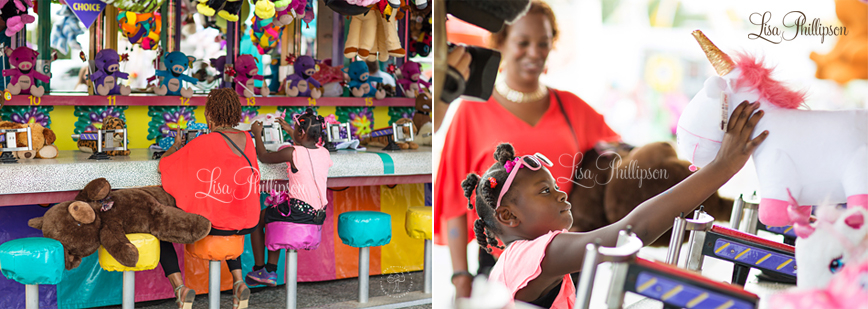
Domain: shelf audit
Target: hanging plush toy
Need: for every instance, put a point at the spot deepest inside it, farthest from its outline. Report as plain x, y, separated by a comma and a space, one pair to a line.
836, 240
831, 170
410, 81
374, 34
228, 9
176, 64
22, 60
420, 32
246, 76
106, 74
361, 83
264, 34
14, 15
301, 83
64, 33
141, 29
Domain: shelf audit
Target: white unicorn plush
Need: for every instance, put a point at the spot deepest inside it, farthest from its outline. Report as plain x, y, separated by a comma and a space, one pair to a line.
809, 157
269, 133
837, 239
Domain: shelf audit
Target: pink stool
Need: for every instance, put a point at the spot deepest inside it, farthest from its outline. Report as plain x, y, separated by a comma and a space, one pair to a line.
292, 237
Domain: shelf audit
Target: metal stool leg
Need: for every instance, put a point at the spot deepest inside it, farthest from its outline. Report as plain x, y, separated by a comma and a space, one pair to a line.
214, 285
291, 278
129, 299
31, 292
364, 265
428, 268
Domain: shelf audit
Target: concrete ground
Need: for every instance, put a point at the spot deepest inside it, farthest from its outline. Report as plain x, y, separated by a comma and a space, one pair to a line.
328, 294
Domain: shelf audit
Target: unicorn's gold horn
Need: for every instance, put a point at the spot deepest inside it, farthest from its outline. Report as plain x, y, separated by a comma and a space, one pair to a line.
721, 62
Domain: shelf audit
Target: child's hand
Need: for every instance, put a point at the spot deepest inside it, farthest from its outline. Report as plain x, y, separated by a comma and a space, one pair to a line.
284, 124
737, 145
256, 127
180, 138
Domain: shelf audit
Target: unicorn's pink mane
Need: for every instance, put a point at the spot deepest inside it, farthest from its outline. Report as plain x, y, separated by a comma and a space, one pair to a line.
755, 76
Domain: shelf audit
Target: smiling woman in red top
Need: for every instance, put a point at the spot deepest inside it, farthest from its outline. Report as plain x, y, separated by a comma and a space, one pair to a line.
215, 175
523, 112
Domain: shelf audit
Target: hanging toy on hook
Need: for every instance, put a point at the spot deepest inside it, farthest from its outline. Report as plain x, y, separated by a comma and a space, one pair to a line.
14, 15
64, 33
141, 29
264, 34
229, 9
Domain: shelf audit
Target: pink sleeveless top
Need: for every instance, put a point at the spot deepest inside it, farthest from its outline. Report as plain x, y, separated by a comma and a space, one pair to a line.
302, 185
521, 262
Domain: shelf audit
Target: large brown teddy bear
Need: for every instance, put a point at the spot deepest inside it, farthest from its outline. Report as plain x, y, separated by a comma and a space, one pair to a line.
613, 189
43, 140
100, 216
848, 60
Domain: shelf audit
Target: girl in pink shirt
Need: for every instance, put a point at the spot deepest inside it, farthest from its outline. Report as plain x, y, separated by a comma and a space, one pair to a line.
305, 198
532, 219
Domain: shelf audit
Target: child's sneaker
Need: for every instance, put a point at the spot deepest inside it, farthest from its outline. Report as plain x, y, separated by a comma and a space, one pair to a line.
261, 276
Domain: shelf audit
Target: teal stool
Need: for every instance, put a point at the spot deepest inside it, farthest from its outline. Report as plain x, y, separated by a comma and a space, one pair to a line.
364, 229
32, 261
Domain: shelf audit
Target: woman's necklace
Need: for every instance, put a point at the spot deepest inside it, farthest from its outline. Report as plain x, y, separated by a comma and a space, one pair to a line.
519, 97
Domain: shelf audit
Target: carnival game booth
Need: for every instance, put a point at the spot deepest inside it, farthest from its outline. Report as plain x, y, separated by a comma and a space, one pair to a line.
65, 139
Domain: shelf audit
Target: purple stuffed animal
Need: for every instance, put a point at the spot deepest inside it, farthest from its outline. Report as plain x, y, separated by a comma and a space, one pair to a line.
106, 76
300, 83
410, 80
246, 75
23, 73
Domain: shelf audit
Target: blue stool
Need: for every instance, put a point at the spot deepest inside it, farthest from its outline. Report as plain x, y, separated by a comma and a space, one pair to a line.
32, 261
364, 229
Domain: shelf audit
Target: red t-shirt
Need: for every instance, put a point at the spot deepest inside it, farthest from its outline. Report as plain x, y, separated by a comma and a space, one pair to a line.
478, 128
208, 179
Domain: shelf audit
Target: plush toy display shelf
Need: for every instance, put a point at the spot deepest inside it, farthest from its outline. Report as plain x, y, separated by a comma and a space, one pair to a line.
197, 100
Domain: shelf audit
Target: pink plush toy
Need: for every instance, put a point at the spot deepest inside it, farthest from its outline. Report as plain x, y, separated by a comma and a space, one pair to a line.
23, 73
848, 289
246, 76
15, 14
410, 81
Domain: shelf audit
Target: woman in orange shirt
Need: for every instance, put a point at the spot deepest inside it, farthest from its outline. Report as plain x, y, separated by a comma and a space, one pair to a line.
523, 112
215, 175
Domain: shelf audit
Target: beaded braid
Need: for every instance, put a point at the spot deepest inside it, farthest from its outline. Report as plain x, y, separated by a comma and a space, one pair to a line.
312, 124
486, 226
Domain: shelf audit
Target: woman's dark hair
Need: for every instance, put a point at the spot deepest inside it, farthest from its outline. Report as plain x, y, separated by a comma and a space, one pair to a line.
536, 7
223, 107
312, 124
487, 192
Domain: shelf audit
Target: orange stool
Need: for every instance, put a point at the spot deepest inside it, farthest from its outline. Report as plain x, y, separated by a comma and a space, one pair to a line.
216, 249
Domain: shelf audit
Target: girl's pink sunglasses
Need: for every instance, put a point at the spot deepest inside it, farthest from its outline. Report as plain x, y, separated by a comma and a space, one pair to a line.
534, 163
